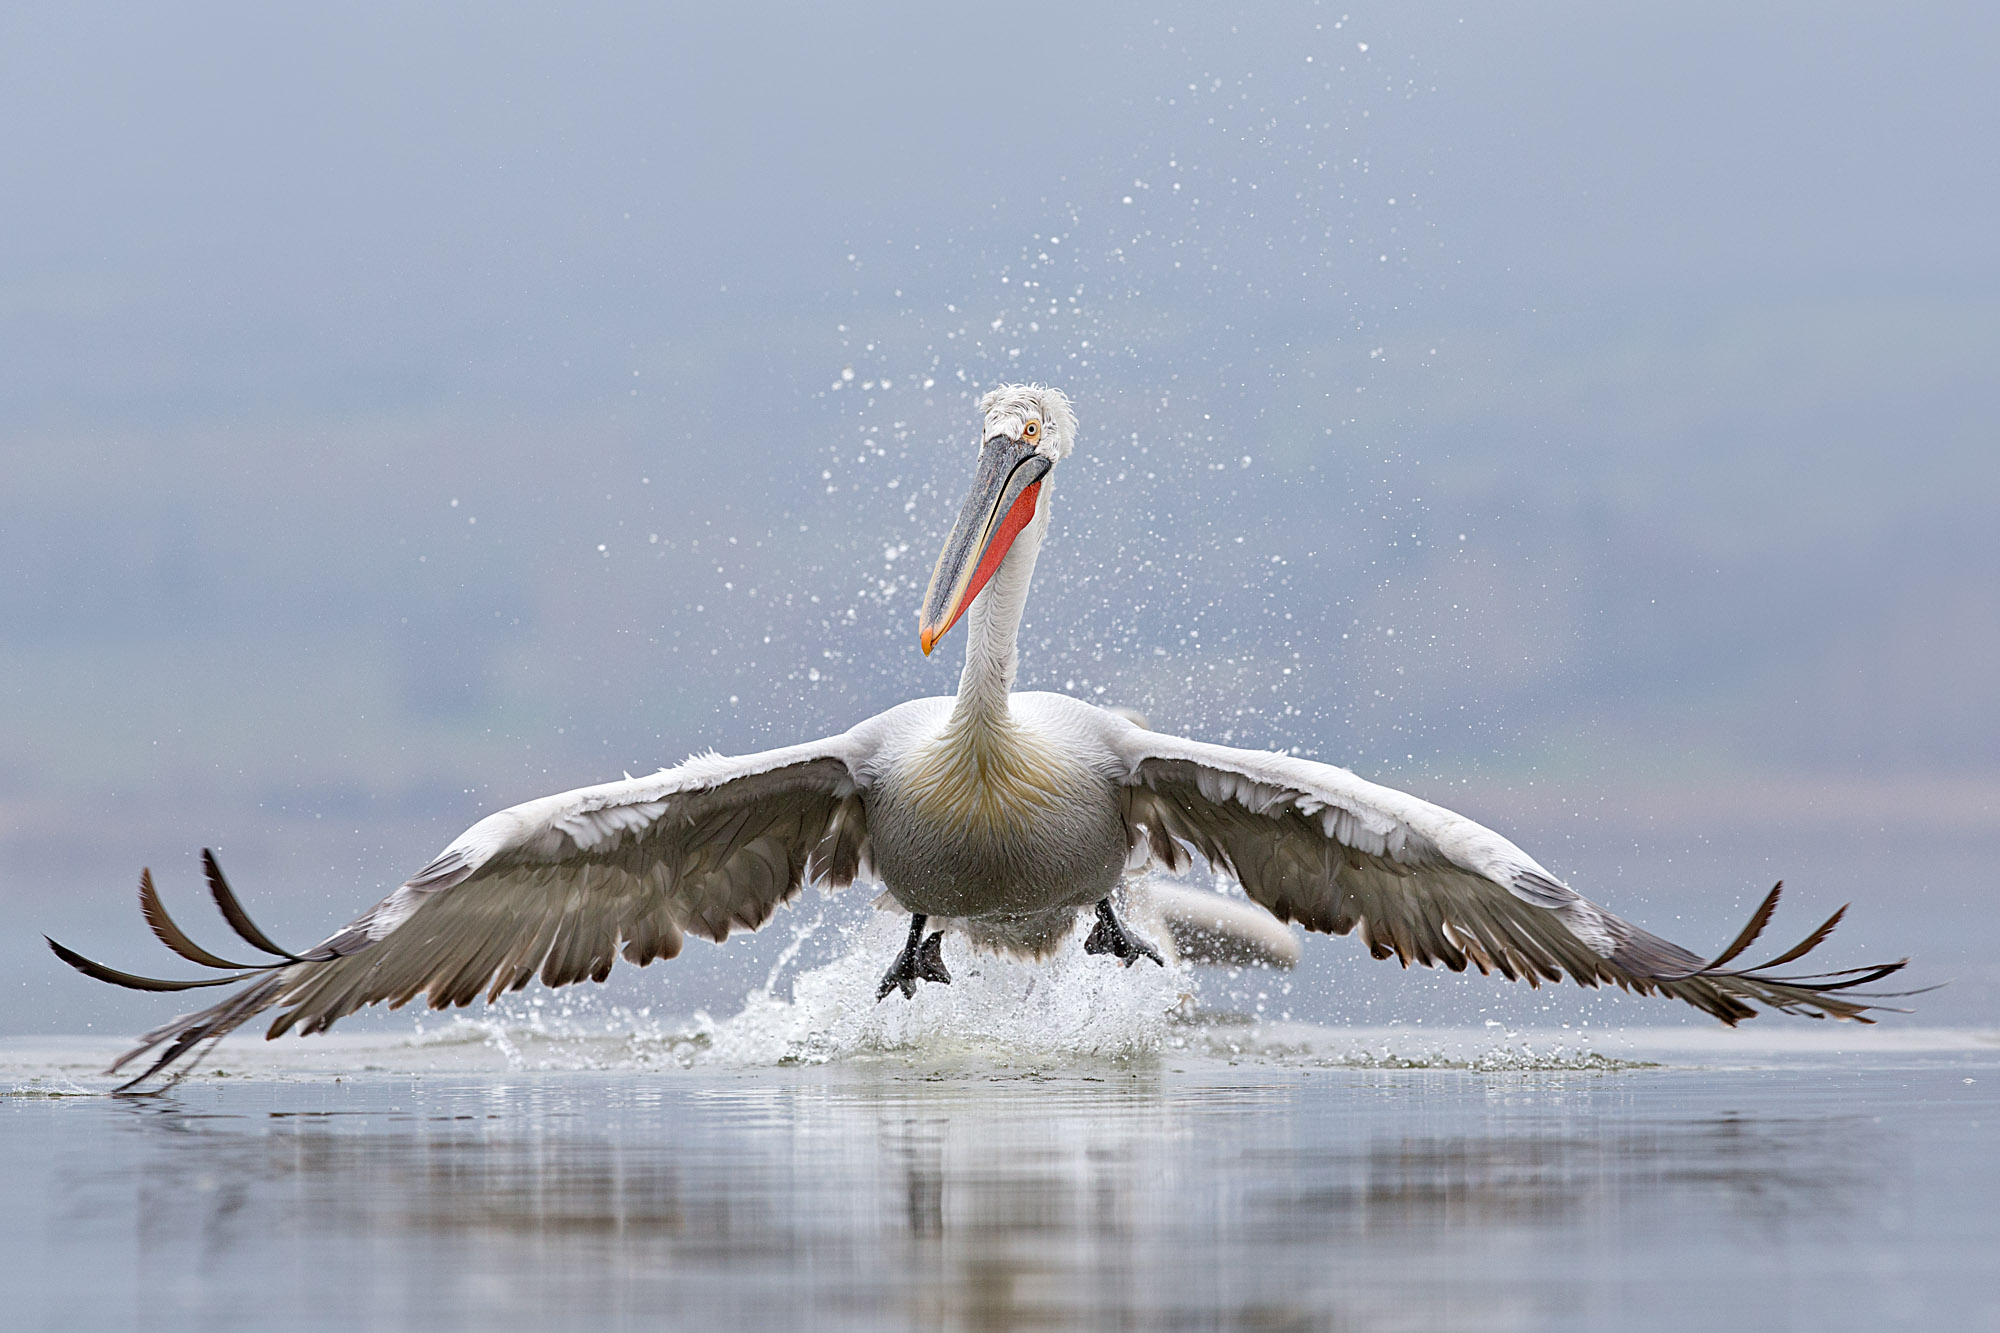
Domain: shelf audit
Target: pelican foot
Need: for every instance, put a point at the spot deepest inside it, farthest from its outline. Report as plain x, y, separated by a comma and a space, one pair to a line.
921, 960
1110, 936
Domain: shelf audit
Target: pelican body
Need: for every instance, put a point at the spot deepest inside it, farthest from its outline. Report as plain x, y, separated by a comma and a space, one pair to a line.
1007, 825
999, 817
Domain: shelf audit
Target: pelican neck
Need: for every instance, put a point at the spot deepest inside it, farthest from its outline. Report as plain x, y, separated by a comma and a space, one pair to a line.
992, 629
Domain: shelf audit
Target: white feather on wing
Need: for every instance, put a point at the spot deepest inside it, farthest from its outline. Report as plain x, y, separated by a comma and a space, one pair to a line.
1333, 852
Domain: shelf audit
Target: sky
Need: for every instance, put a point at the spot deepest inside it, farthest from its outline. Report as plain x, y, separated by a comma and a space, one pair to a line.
1582, 418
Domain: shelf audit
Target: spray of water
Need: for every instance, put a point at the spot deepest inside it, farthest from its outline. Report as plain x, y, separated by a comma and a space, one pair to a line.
1074, 1006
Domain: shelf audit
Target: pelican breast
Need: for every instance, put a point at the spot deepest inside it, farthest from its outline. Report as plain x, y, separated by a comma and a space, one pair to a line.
995, 818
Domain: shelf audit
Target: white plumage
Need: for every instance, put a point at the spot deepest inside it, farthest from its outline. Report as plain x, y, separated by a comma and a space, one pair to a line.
1002, 816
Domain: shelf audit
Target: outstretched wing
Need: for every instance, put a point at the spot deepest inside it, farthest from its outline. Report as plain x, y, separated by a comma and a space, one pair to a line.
557, 888
1317, 845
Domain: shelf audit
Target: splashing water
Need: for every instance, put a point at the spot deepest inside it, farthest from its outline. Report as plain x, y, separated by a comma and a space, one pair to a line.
1073, 1005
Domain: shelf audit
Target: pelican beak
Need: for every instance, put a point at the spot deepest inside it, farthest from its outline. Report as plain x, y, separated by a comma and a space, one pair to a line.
1001, 503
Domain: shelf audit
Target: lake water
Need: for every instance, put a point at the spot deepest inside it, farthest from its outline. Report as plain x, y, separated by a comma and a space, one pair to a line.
1219, 1173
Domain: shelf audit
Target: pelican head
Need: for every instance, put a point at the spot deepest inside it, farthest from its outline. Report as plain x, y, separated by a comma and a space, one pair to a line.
1028, 429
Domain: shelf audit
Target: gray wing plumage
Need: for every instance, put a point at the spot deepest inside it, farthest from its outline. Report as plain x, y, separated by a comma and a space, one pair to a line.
1321, 847
557, 888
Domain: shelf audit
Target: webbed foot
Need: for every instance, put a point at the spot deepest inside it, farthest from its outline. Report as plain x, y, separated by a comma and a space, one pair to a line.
1110, 936
921, 960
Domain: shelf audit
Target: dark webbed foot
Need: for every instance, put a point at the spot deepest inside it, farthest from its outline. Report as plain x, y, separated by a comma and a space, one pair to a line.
930, 960
921, 960
1110, 936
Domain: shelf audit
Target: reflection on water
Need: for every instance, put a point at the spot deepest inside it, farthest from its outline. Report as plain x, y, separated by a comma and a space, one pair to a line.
887, 1196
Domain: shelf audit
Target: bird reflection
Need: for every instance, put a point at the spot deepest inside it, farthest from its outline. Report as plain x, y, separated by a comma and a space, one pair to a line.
970, 1201
917, 1149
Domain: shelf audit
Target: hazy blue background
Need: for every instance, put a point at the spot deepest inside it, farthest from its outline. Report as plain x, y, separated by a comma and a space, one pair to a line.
407, 413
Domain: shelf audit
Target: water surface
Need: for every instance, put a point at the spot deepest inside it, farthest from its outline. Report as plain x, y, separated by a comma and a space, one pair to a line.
1251, 1177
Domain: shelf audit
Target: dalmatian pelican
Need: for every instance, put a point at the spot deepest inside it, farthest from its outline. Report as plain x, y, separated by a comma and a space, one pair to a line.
1002, 817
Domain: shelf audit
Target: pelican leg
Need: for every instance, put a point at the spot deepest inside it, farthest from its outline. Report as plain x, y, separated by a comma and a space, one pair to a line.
921, 960
1110, 936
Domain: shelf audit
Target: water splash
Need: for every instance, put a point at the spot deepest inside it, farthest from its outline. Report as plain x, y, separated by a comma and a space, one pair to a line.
1072, 1005
49, 1086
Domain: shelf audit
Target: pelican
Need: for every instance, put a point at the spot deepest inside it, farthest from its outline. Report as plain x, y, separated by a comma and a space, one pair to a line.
998, 816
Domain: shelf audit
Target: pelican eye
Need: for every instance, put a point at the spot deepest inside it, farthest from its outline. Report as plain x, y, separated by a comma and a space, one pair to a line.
1032, 431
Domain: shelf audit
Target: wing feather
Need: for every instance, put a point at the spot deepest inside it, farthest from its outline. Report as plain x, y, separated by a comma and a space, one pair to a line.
1321, 847
559, 887
232, 910
170, 934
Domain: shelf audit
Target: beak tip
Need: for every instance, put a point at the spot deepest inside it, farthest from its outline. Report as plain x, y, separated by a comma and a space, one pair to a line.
927, 641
